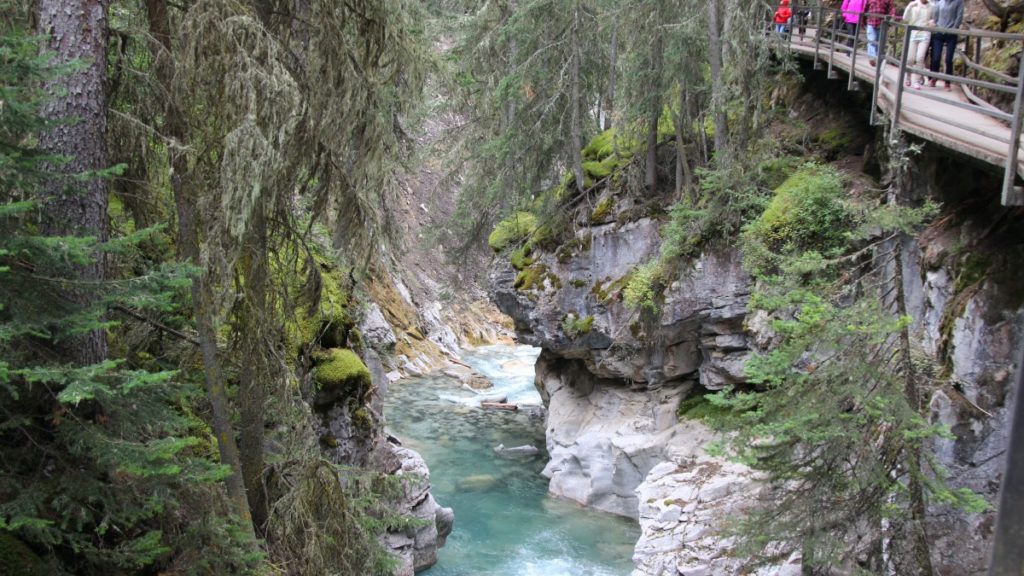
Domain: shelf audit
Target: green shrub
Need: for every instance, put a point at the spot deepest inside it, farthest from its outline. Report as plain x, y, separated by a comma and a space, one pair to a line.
807, 213
574, 326
511, 230
699, 407
640, 292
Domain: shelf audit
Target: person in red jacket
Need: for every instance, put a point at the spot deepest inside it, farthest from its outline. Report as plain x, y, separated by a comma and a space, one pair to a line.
782, 16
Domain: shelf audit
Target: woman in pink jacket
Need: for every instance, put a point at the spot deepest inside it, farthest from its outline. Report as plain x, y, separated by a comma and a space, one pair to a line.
852, 11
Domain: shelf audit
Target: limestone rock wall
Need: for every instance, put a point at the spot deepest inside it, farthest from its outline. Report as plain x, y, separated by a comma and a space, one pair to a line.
614, 442
359, 440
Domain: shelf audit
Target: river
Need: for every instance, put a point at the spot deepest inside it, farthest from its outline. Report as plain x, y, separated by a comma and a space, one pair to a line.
505, 522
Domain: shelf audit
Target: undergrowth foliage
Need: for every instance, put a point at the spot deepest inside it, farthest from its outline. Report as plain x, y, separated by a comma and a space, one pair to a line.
833, 412
103, 464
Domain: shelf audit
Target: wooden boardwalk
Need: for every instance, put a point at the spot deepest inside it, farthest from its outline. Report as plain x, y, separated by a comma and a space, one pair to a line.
947, 118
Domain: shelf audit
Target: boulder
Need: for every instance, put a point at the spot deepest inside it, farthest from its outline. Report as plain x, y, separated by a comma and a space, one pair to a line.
376, 331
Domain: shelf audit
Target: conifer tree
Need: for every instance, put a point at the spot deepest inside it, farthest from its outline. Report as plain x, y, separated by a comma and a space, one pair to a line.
835, 418
99, 462
77, 31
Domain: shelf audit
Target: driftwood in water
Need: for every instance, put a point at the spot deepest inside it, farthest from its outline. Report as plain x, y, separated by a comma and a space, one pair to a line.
498, 406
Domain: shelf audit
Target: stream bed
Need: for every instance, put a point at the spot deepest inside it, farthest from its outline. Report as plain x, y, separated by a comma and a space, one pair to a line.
505, 522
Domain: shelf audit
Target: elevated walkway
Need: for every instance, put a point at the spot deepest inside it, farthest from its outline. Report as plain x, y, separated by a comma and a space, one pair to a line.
956, 119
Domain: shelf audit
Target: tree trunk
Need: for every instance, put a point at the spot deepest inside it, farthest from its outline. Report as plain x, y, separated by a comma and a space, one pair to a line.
188, 250
653, 114
684, 177
252, 393
576, 152
717, 86
77, 30
613, 62
921, 564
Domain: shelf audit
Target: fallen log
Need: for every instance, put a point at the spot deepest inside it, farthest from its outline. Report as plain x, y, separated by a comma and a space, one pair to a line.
499, 406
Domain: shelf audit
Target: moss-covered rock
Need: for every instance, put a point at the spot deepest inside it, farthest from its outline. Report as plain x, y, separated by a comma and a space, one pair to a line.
329, 322
511, 230
604, 211
521, 257
533, 278
339, 376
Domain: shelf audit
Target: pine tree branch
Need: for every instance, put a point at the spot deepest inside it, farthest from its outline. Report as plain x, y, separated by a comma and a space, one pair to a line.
159, 326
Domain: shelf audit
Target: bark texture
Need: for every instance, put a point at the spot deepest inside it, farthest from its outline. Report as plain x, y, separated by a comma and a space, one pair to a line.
717, 83
77, 30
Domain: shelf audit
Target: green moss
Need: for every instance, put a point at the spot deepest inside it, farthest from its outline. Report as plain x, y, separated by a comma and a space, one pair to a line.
521, 257
340, 375
577, 282
598, 170
330, 321
574, 326
607, 288
545, 238
971, 270
512, 230
835, 140
604, 209
773, 173
600, 146
533, 278
361, 419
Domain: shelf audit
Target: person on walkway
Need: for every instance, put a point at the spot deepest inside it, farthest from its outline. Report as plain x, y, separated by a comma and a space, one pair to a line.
852, 12
919, 13
800, 18
951, 15
782, 16
876, 9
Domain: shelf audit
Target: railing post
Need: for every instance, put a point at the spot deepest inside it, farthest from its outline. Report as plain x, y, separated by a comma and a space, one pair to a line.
789, 30
977, 56
832, 46
1010, 196
853, 54
817, 38
903, 72
879, 64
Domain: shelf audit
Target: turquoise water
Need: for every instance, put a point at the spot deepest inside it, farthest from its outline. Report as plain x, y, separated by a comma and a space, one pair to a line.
505, 523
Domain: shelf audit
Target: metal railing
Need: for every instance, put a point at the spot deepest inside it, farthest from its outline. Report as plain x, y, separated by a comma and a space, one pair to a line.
833, 44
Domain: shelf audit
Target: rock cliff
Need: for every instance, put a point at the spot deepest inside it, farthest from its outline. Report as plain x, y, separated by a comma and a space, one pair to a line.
352, 434
613, 378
